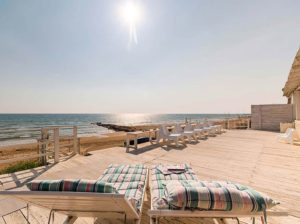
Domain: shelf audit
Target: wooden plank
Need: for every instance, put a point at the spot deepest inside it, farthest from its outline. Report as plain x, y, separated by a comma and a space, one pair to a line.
56, 145
249, 157
75, 140
25, 158
9, 147
15, 217
21, 130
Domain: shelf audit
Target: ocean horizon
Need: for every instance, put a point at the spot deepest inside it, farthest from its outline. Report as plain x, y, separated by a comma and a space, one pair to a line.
86, 123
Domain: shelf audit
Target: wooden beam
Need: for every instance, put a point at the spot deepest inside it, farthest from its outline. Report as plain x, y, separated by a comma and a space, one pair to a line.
24, 158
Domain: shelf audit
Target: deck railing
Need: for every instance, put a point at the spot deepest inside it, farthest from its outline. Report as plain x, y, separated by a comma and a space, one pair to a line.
238, 124
48, 144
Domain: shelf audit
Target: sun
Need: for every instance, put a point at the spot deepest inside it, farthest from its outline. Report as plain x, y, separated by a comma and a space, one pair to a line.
131, 13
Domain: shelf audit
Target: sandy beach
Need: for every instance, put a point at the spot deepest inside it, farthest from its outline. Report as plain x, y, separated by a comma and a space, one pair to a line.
106, 140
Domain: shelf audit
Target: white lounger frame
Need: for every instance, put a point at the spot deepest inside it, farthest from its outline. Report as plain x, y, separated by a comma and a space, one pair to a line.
287, 136
219, 217
79, 204
164, 134
82, 204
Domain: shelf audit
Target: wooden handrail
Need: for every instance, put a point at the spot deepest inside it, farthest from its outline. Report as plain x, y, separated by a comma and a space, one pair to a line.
35, 129
25, 158
44, 141
21, 130
9, 147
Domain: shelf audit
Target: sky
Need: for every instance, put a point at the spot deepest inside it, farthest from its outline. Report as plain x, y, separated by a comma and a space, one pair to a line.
190, 56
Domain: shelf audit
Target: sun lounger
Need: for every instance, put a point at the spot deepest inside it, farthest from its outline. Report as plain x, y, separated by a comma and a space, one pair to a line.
199, 130
165, 134
207, 129
217, 128
213, 128
163, 178
129, 180
287, 136
188, 134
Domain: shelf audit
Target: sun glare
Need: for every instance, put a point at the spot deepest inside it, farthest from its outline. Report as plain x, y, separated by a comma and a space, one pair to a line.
131, 15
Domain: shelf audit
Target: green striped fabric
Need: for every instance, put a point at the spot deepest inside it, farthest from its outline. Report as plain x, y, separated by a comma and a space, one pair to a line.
219, 196
175, 191
128, 180
159, 181
79, 185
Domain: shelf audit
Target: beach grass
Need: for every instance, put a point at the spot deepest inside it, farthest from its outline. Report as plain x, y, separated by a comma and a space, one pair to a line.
23, 165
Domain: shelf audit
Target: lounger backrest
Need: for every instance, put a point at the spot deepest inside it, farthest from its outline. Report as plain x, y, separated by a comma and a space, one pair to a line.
71, 203
188, 127
198, 126
201, 125
289, 131
177, 129
205, 123
163, 130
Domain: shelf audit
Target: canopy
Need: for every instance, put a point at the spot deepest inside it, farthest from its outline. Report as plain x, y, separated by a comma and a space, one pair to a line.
293, 82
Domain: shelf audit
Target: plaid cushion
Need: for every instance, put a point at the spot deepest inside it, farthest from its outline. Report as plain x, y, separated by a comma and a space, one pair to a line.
221, 196
214, 184
125, 169
127, 179
159, 180
121, 178
79, 185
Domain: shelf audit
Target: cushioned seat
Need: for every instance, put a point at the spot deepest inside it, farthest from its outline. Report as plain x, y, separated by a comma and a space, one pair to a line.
176, 191
77, 185
159, 181
127, 179
122, 179
221, 196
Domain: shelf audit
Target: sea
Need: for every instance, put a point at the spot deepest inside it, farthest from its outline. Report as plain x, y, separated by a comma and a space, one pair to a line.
86, 123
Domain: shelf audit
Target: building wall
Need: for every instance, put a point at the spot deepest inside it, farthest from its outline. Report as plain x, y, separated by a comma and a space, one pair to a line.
296, 103
269, 116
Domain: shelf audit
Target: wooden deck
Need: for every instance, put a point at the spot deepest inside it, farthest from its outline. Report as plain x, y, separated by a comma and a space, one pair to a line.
252, 158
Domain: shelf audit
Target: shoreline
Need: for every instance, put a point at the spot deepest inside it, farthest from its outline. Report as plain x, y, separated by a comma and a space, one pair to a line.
103, 141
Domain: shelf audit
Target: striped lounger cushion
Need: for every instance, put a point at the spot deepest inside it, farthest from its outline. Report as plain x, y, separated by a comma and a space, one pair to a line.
222, 196
159, 180
79, 185
129, 180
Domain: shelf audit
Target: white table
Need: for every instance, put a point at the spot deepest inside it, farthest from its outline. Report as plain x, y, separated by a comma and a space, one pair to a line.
136, 134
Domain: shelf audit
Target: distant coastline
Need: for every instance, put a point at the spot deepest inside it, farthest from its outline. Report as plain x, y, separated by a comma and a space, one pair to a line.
86, 123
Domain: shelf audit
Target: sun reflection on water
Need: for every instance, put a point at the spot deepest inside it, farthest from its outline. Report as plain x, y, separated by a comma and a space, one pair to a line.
132, 118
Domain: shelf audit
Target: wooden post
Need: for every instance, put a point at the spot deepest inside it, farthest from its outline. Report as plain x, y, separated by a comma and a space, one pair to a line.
248, 124
56, 145
127, 142
78, 141
228, 124
44, 140
75, 142
135, 141
150, 136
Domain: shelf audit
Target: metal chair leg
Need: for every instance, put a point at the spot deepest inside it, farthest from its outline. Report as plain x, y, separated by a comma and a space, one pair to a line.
50, 214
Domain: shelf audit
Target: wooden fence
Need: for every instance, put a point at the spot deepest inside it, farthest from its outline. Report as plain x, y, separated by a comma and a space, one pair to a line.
49, 143
235, 123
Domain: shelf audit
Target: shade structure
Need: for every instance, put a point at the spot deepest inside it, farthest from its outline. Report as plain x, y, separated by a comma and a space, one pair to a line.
293, 82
